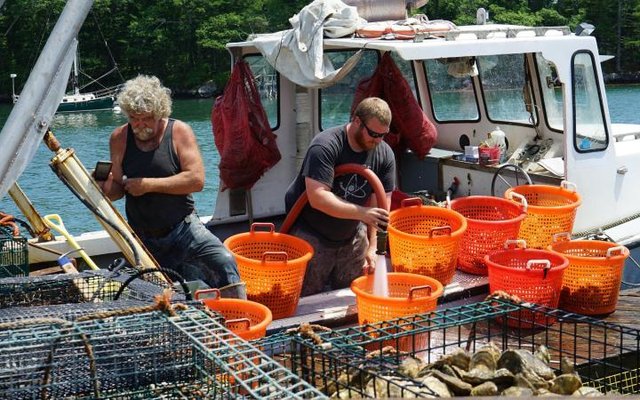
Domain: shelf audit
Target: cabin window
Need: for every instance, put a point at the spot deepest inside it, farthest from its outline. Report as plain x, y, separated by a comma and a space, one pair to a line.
266, 80
407, 71
451, 89
335, 100
504, 83
588, 116
551, 89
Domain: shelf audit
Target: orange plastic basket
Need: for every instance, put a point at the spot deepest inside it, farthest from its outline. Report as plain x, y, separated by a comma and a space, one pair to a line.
491, 221
425, 239
408, 294
272, 265
533, 275
550, 210
591, 284
245, 318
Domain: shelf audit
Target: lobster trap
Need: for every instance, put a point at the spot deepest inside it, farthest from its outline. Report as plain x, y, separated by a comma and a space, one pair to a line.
14, 256
365, 361
144, 355
71, 295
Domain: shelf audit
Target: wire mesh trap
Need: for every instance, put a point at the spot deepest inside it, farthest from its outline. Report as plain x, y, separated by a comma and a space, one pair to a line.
138, 356
365, 361
14, 255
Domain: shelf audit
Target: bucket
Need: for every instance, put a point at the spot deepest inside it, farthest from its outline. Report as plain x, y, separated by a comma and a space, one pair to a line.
245, 318
533, 275
491, 221
591, 283
272, 265
424, 240
550, 210
409, 294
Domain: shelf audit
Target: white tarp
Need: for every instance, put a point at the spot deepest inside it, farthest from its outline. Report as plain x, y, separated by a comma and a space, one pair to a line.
298, 53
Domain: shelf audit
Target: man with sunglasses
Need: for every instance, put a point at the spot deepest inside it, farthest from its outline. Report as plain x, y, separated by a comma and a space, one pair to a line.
341, 218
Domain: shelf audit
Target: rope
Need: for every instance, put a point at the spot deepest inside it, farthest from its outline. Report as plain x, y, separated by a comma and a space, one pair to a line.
162, 303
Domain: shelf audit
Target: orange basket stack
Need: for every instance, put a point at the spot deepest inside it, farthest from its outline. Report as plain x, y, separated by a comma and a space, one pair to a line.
591, 284
550, 210
272, 265
245, 318
533, 275
425, 239
491, 221
409, 294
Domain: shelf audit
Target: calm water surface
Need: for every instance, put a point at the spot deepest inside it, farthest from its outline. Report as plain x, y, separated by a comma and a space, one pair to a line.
88, 134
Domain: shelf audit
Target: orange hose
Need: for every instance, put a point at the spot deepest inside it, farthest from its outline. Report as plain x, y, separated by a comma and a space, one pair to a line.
343, 169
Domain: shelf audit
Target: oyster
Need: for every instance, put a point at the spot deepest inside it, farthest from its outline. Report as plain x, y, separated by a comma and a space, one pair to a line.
587, 391
522, 361
457, 386
566, 384
486, 389
515, 391
411, 367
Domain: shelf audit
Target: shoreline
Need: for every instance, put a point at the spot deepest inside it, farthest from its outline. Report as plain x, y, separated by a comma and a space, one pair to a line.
207, 90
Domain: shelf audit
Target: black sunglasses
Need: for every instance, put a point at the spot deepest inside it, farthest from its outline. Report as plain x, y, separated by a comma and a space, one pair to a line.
372, 133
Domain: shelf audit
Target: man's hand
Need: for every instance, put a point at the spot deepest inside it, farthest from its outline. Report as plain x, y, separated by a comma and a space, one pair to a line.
134, 186
377, 218
370, 260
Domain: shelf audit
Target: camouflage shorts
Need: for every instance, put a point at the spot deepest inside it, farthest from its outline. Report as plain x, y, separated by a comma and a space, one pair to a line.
332, 267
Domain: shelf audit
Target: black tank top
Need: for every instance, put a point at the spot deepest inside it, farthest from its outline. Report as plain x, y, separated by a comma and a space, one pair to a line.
154, 211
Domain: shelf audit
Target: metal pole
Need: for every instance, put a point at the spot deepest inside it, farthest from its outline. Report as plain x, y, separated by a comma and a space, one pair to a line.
42, 93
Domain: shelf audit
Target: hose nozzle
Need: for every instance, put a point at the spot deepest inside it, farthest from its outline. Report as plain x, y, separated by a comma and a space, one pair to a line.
381, 237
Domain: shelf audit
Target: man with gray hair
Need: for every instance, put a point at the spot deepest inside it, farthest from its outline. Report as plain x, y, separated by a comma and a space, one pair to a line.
157, 166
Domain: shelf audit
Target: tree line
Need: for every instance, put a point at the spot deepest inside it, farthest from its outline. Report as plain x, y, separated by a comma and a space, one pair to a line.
183, 41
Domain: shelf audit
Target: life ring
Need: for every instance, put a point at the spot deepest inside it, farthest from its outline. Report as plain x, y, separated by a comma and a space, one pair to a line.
402, 30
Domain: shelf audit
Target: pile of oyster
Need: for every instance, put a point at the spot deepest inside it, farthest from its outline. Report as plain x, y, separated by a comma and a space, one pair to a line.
487, 372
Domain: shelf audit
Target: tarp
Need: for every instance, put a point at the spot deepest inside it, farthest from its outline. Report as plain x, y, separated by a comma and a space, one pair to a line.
298, 53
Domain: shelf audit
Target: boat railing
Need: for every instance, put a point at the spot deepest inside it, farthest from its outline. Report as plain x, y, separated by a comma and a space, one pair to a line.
108, 92
506, 31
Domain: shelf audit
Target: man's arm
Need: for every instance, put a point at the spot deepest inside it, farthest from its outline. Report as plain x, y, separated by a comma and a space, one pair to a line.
321, 198
191, 177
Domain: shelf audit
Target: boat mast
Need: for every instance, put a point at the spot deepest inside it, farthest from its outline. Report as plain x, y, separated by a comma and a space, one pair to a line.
74, 78
31, 116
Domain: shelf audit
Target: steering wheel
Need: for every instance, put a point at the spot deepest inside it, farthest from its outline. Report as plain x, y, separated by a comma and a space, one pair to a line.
509, 175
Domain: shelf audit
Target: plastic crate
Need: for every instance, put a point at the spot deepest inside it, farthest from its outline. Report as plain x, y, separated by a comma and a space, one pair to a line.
14, 254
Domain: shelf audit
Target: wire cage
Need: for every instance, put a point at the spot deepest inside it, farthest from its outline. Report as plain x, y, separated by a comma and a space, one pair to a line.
69, 296
143, 355
355, 362
14, 255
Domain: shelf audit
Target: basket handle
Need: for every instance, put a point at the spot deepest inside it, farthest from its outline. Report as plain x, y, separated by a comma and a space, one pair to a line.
614, 251
440, 228
214, 291
271, 227
516, 243
569, 186
561, 237
245, 321
275, 256
411, 201
521, 199
416, 288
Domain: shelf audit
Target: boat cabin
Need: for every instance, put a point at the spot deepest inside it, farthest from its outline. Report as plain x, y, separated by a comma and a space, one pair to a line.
543, 87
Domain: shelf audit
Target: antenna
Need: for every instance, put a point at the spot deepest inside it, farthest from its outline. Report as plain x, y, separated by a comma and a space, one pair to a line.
13, 87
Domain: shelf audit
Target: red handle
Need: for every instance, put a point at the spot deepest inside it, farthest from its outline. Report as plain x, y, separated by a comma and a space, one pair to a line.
417, 288
271, 227
240, 324
275, 256
440, 228
216, 293
410, 202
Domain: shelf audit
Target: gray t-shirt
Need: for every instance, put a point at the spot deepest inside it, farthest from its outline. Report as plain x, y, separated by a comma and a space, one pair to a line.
328, 150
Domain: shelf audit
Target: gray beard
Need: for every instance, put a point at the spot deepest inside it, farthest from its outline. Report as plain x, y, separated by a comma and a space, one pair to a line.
143, 134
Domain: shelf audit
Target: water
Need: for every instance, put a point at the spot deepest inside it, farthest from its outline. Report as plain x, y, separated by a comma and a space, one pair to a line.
88, 134
380, 277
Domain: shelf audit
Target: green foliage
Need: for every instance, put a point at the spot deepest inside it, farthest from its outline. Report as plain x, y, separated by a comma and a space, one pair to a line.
183, 41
